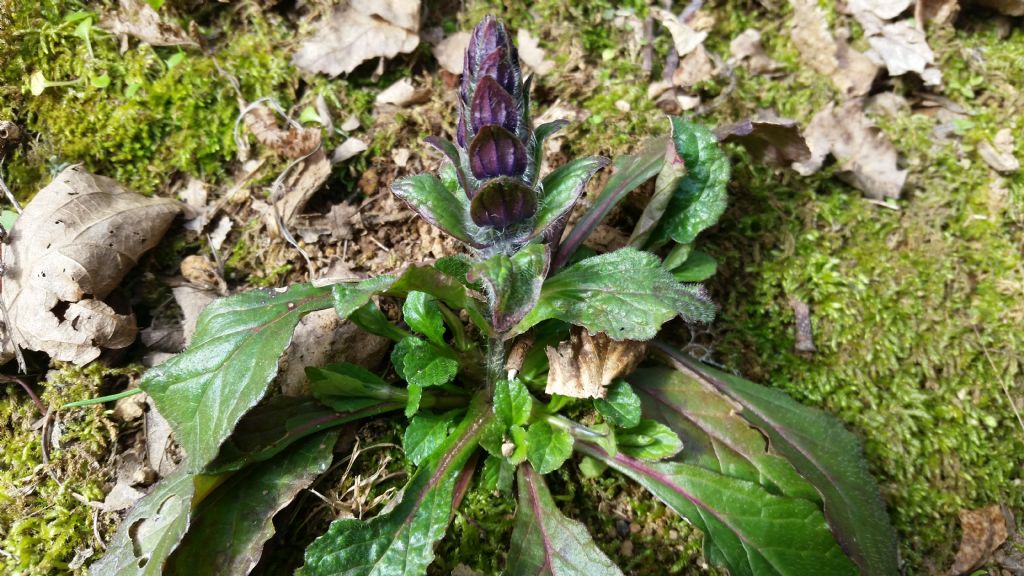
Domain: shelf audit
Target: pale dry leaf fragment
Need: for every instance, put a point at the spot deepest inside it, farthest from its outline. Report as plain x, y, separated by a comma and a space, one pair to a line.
584, 365
192, 300
121, 497
902, 48
532, 54
999, 153
768, 138
402, 94
300, 185
202, 273
1007, 7
137, 18
292, 142
852, 72
351, 123
867, 159
941, 12
160, 447
359, 31
348, 149
884, 9
694, 68
449, 52
400, 156
220, 232
803, 329
195, 195
982, 531
336, 224
684, 38
70, 248
747, 49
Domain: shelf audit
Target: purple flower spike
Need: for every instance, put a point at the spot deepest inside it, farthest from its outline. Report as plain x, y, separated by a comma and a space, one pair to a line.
503, 202
492, 105
497, 66
496, 152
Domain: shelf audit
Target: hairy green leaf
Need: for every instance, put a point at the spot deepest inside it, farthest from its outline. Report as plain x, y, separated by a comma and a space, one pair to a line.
715, 436
747, 529
546, 543
700, 197
541, 133
627, 294
349, 297
697, 268
231, 525
424, 434
562, 188
421, 365
825, 453
429, 198
401, 541
649, 440
445, 287
151, 530
547, 446
512, 402
205, 390
512, 283
350, 388
423, 315
621, 406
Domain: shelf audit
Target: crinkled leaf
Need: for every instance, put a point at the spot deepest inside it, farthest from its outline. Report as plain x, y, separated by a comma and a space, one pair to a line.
548, 447
429, 198
497, 474
562, 188
700, 197
825, 453
401, 541
747, 529
714, 434
424, 434
626, 294
649, 440
513, 283
630, 171
204, 391
422, 314
421, 365
697, 268
546, 543
621, 406
152, 529
231, 525
512, 402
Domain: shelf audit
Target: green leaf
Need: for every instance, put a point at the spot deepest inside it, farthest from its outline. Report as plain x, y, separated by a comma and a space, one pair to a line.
422, 314
350, 297
425, 433
626, 294
672, 172
541, 133
630, 171
747, 529
151, 530
562, 188
697, 268
458, 266
512, 402
518, 437
230, 527
350, 388
649, 440
422, 366
546, 543
592, 467
513, 283
700, 198
716, 437
371, 319
444, 287
825, 453
548, 447
425, 194
497, 474
401, 541
621, 406
277, 423
205, 390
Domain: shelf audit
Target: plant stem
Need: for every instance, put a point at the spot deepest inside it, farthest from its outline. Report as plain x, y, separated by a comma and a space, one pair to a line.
495, 363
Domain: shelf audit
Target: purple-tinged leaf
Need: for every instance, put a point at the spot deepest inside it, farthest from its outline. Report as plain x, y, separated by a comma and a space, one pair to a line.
487, 36
495, 152
425, 194
492, 105
231, 525
452, 153
562, 188
502, 202
824, 452
401, 541
545, 542
747, 529
497, 65
513, 283
630, 172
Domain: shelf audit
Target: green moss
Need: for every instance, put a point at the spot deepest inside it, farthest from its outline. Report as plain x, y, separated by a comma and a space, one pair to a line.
43, 519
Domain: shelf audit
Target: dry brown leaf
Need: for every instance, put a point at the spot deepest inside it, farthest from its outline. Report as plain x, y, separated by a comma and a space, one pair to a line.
853, 73
137, 18
884, 9
999, 153
292, 142
584, 365
532, 54
300, 186
402, 94
10, 136
449, 52
70, 248
747, 48
347, 149
203, 274
684, 38
903, 48
360, 31
983, 531
693, 69
1007, 7
941, 12
768, 138
337, 224
160, 447
866, 156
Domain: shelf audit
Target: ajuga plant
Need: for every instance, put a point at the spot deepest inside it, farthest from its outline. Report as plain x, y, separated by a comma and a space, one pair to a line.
495, 347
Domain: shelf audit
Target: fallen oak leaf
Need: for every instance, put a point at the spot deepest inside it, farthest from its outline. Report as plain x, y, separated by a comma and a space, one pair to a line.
583, 366
983, 531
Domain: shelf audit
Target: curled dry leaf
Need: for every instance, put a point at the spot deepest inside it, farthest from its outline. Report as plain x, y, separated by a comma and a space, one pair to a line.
137, 18
768, 138
584, 365
449, 52
292, 142
359, 31
532, 55
69, 249
348, 149
983, 531
684, 38
402, 93
867, 158
694, 68
902, 48
999, 153
747, 48
853, 73
300, 185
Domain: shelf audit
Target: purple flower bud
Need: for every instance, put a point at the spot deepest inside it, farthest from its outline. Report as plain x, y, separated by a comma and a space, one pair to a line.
503, 202
495, 152
493, 105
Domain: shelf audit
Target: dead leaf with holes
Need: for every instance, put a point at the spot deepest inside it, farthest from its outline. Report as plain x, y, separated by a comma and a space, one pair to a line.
982, 532
292, 142
70, 248
359, 31
584, 365
137, 18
